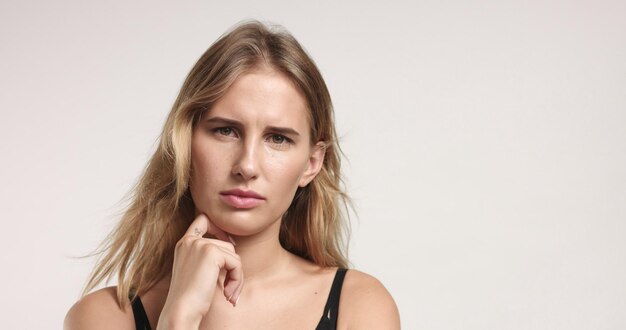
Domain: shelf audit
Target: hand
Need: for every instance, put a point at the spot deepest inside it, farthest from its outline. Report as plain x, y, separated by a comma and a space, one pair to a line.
197, 265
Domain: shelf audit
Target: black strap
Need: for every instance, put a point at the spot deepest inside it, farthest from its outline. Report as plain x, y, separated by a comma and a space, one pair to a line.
141, 319
331, 310
328, 321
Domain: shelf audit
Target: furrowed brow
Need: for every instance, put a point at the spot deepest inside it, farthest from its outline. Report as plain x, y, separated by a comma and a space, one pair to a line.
224, 121
232, 122
283, 130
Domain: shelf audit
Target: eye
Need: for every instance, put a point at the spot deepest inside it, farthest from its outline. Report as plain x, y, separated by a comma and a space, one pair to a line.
280, 139
225, 131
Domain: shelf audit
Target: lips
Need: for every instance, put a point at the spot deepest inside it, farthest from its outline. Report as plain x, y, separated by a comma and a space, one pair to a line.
241, 199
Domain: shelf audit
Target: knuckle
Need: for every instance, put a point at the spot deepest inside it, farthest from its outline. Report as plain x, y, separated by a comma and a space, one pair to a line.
187, 240
180, 243
196, 242
210, 249
184, 243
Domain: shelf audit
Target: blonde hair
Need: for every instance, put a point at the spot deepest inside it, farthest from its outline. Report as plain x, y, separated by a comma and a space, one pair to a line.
141, 248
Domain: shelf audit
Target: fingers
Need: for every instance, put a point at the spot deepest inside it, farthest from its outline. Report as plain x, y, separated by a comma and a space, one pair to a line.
217, 231
235, 297
233, 282
226, 258
203, 225
199, 226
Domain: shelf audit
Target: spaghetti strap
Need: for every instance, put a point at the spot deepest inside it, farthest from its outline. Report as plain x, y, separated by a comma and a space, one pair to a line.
328, 320
141, 318
331, 310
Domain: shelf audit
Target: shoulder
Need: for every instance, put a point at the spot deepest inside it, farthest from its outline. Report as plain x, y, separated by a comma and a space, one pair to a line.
366, 304
99, 310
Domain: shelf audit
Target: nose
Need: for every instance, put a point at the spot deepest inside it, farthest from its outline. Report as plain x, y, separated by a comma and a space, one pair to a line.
246, 164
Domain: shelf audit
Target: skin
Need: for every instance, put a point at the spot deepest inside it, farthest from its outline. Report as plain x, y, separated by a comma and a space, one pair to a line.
230, 270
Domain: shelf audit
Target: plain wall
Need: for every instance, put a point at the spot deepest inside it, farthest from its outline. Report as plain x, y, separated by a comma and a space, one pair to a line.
485, 146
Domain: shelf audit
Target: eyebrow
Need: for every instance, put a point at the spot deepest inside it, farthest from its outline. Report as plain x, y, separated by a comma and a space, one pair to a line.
232, 122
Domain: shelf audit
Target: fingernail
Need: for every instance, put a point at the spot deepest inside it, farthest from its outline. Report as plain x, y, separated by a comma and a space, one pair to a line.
232, 240
236, 301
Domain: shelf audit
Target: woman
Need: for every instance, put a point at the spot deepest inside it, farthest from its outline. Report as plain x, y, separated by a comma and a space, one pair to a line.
244, 187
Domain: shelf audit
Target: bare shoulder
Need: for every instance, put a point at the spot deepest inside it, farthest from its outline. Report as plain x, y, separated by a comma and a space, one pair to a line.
99, 310
366, 304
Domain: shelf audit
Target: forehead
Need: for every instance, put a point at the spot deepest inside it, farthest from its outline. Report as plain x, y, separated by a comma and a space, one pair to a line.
264, 96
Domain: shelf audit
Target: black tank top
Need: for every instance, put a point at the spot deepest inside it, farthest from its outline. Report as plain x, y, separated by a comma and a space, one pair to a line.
328, 320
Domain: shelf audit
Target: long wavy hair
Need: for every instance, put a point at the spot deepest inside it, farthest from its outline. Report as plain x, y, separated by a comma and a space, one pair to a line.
140, 250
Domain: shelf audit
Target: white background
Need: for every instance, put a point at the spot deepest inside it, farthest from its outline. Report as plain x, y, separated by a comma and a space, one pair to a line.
485, 144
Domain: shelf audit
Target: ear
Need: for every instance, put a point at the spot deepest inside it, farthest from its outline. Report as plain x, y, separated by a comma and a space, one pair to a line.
314, 164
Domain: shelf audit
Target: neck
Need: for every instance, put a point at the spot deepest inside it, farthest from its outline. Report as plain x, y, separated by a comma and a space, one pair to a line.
262, 256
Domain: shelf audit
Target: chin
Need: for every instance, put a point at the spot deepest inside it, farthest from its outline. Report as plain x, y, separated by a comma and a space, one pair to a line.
241, 222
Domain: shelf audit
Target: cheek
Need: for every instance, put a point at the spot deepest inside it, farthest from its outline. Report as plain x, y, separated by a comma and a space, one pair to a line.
197, 180
286, 169
204, 171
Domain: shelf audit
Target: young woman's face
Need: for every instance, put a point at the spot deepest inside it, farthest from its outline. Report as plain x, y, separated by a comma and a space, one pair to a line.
251, 151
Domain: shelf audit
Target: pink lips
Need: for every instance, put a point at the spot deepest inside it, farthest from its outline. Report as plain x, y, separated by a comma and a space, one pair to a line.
241, 199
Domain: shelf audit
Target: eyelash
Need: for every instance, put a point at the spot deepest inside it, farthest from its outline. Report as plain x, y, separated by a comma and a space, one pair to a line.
220, 130
285, 140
